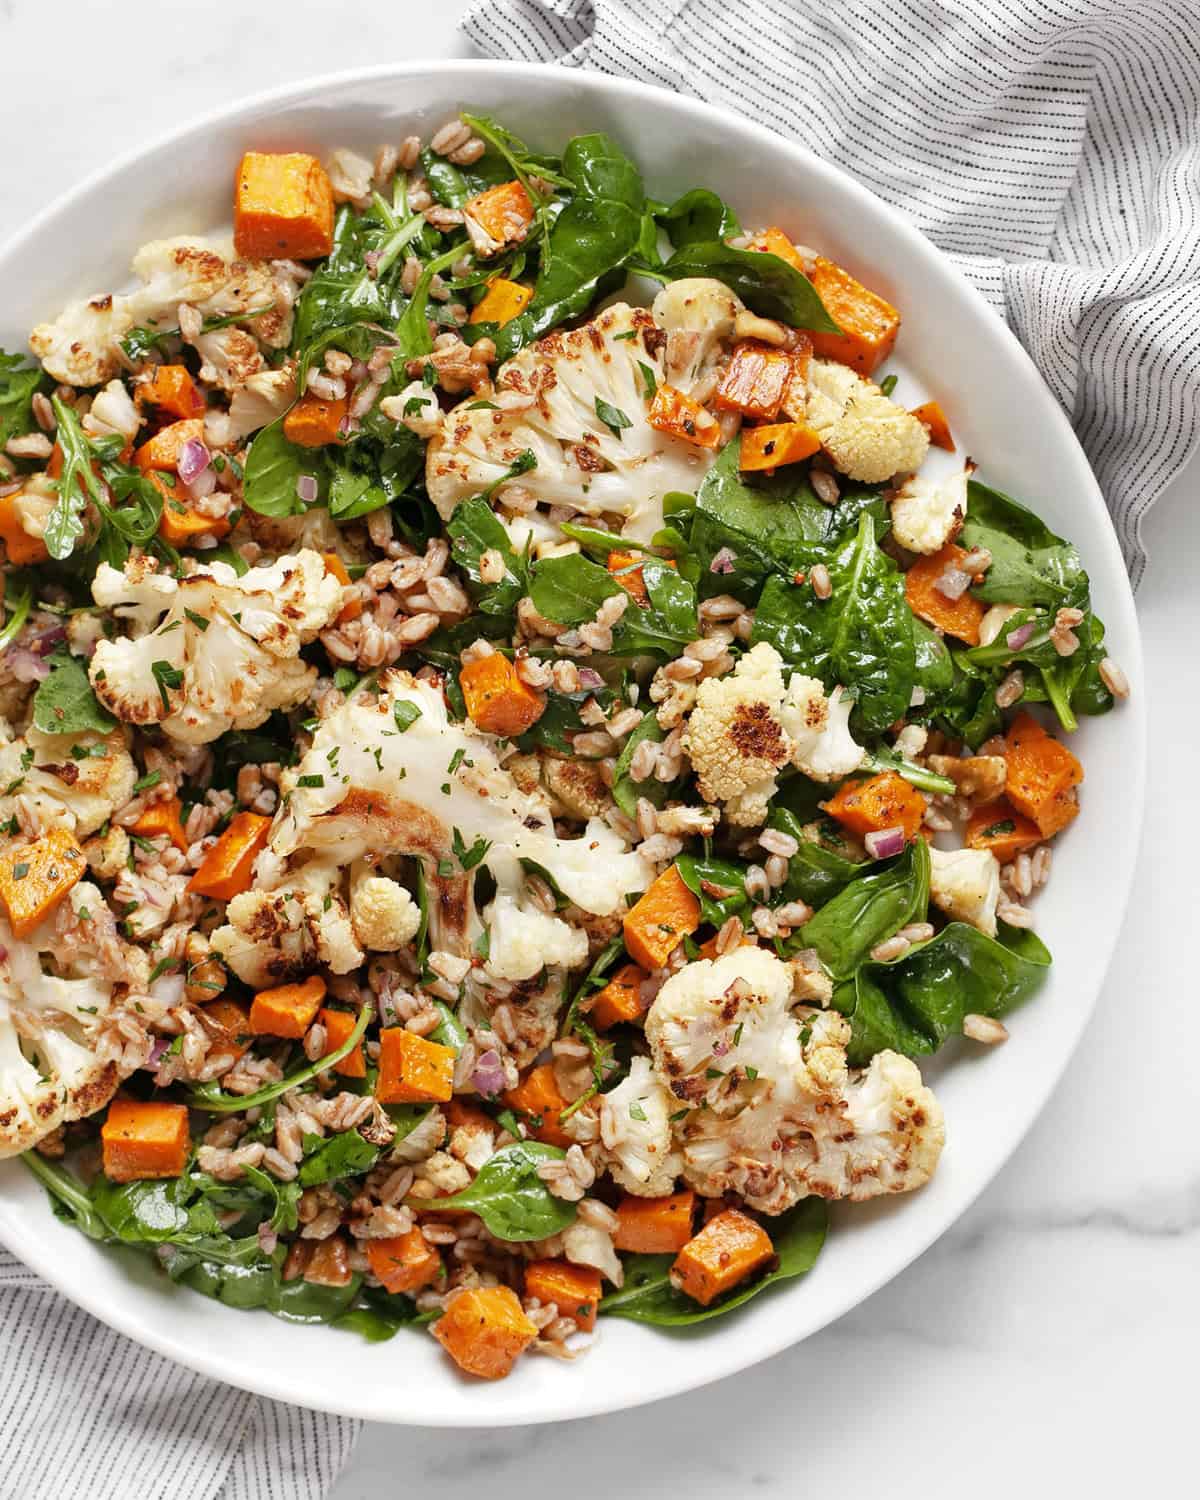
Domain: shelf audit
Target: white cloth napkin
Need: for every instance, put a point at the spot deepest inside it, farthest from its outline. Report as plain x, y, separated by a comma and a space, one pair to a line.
97, 1416
1052, 147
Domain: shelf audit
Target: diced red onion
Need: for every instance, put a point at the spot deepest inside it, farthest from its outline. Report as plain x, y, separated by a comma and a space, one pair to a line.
157, 1048
357, 370
203, 484
723, 561
720, 1048
1015, 639
488, 1075
26, 665
590, 679
194, 458
49, 640
307, 488
885, 843
953, 583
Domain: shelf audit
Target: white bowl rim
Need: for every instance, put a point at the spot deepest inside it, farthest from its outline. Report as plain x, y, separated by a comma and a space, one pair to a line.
718, 1363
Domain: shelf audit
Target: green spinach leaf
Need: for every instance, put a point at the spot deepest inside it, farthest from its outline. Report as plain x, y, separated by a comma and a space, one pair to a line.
867, 910
19, 383
334, 1157
65, 703
698, 216
766, 284
510, 1197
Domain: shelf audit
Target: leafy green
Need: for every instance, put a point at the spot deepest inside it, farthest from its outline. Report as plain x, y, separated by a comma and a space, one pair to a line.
698, 216
474, 529
861, 636
334, 1157
867, 910
914, 1003
1030, 565
273, 465
570, 589
625, 790
766, 284
510, 1197
18, 600
723, 874
649, 1297
885, 759
19, 384
589, 242
127, 504
65, 703
815, 872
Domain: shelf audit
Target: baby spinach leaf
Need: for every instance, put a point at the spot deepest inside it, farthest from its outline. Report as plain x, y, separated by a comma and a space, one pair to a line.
449, 1031
625, 790
329, 1158
474, 529
352, 495
569, 590
883, 758
649, 1297
815, 872
933, 666
377, 1315
666, 622
914, 1003
718, 875
698, 216
69, 1199
1030, 565
19, 383
273, 465
65, 703
766, 284
589, 242
867, 910
510, 1197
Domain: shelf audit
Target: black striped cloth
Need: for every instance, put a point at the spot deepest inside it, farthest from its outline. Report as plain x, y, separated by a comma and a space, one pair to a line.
1051, 147
87, 1413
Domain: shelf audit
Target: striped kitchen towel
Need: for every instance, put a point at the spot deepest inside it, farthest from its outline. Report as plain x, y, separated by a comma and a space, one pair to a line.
1051, 147
117, 1421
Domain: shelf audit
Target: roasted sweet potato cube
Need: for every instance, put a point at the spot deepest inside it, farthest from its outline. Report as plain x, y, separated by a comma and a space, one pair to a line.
163, 449
776, 443
959, 617
180, 523
19, 547
728, 1250
655, 1226
574, 1290
498, 702
35, 877
868, 322
998, 826
171, 389
314, 422
680, 417
626, 568
504, 212
539, 1097
228, 867
288, 1009
229, 1025
883, 801
404, 1262
1042, 776
661, 919
162, 818
775, 242
334, 565
619, 1000
413, 1069
502, 302
283, 207
484, 1330
754, 380
338, 1025
144, 1139
933, 418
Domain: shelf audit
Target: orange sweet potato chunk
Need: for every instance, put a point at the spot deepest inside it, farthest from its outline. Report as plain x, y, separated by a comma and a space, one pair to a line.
180, 524
655, 1226
163, 449
883, 801
498, 702
504, 212
162, 818
998, 826
171, 389
288, 1009
661, 919
412, 1069
620, 999
404, 1262
775, 242
19, 547
626, 568
776, 443
282, 207
314, 423
574, 1290
227, 869
1042, 776
502, 302
538, 1096
959, 617
144, 1139
730, 1248
334, 565
933, 418
754, 380
484, 1330
869, 324
680, 417
35, 877
338, 1025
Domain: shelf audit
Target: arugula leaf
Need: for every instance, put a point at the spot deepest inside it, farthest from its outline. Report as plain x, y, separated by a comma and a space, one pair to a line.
649, 1297
212, 1097
510, 1197
867, 910
589, 242
69, 1198
19, 384
76, 484
915, 1003
65, 703
18, 600
766, 284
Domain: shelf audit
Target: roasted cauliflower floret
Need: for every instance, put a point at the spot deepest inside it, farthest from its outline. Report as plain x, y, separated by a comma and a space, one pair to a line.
551, 398
523, 939
56, 1013
212, 651
965, 884
819, 730
272, 936
927, 513
383, 914
868, 436
773, 1113
735, 737
635, 1131
699, 316
81, 346
75, 781
259, 401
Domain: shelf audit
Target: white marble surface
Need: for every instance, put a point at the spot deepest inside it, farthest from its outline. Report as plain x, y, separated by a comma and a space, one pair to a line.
1041, 1346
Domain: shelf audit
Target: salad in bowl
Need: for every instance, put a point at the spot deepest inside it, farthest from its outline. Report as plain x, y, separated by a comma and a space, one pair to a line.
515, 746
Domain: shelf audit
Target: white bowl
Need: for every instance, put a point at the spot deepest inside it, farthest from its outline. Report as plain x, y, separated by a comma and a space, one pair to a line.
953, 346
